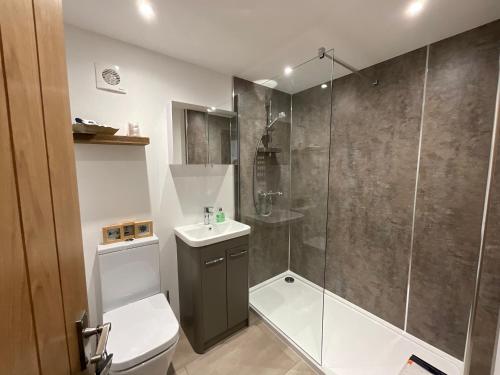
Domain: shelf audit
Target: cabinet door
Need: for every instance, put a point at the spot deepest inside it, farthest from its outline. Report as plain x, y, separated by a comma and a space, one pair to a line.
213, 265
237, 285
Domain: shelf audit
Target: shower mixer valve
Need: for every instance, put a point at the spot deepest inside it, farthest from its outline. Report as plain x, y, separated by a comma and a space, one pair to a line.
270, 194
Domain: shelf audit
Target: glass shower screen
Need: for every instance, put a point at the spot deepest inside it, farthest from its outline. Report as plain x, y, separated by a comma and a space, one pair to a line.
284, 154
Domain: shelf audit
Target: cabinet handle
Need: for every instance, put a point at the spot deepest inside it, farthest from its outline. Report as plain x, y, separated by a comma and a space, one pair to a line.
235, 255
214, 261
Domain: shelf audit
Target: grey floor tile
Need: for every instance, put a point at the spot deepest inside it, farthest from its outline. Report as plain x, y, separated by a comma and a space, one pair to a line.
254, 350
302, 368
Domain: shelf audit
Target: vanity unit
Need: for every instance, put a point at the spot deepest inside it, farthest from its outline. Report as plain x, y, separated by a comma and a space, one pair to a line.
213, 281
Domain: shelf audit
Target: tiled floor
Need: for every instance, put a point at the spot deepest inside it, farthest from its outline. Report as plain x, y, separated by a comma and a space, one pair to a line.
255, 350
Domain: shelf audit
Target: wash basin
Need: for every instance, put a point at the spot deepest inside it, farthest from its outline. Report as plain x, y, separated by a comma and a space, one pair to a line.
197, 235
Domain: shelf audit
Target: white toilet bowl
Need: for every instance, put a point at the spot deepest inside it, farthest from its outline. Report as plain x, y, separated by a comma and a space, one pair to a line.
143, 337
155, 366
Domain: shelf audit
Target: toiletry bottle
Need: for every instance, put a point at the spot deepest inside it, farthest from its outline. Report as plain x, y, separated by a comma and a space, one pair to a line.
220, 217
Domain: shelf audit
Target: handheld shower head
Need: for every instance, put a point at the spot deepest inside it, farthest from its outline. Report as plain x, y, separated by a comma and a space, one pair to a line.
280, 116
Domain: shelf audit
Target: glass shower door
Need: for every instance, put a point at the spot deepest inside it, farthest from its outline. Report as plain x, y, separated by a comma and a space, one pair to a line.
284, 154
310, 146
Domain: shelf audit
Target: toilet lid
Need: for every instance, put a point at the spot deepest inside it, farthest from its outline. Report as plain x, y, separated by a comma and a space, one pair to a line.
140, 331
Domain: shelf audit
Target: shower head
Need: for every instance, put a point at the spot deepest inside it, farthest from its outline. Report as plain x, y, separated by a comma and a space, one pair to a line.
280, 116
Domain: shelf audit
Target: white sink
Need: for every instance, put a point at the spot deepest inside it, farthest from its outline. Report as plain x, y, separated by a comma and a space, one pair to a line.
197, 235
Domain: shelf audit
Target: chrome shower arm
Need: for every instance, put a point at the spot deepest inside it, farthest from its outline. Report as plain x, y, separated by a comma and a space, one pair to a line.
322, 54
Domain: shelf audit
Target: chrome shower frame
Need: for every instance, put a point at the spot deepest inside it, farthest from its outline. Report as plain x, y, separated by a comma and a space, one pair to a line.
322, 54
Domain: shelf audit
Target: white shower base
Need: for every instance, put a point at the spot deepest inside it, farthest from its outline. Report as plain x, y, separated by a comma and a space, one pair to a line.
355, 342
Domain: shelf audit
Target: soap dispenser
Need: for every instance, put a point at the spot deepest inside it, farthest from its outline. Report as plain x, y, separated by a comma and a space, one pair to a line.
220, 217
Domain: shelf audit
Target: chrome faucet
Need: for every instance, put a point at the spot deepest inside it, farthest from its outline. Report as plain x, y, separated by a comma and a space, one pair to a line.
208, 212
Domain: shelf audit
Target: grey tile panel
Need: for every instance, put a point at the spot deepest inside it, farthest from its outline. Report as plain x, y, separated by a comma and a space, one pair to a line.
268, 243
309, 181
487, 315
458, 121
375, 142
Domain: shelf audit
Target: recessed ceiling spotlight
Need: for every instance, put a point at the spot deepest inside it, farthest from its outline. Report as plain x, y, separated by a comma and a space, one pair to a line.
324, 86
213, 109
288, 70
415, 8
146, 10
210, 110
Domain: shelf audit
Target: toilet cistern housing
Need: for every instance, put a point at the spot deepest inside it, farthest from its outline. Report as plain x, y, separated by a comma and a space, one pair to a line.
130, 271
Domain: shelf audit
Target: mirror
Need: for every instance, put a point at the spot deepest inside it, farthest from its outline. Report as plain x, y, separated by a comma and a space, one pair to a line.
203, 135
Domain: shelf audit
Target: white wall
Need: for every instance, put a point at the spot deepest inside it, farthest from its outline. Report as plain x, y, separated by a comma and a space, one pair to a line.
126, 182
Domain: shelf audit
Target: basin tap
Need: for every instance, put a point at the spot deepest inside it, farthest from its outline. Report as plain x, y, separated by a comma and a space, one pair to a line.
208, 212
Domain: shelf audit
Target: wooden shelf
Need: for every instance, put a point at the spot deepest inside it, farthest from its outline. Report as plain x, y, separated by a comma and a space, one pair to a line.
106, 139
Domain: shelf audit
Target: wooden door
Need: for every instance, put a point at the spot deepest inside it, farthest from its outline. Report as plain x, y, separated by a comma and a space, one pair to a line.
43, 289
18, 354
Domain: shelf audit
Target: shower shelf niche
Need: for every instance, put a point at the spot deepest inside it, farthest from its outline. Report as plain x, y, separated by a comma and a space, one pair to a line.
274, 150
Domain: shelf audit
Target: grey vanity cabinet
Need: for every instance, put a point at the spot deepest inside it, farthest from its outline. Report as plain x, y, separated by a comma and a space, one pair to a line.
237, 286
213, 290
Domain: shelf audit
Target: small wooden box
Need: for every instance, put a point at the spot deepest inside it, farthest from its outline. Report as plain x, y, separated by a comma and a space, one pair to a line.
143, 228
112, 233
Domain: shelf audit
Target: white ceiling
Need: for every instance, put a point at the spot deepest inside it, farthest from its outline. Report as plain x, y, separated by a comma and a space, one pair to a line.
256, 39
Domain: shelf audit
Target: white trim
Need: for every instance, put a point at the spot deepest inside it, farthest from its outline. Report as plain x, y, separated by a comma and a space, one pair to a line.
417, 177
290, 184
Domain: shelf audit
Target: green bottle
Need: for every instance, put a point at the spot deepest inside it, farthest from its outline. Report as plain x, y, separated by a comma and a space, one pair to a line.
220, 217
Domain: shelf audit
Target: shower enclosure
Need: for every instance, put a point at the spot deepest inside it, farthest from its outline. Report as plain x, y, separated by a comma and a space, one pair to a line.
285, 138
366, 204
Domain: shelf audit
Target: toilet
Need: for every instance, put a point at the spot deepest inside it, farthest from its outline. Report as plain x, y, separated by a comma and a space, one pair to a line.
144, 329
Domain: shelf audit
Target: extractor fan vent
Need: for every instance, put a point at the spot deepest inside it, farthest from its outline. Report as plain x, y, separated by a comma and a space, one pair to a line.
109, 78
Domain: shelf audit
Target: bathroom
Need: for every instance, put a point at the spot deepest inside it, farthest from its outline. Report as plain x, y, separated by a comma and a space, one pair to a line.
313, 187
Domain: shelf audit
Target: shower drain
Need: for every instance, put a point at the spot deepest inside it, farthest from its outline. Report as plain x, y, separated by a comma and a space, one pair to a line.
289, 279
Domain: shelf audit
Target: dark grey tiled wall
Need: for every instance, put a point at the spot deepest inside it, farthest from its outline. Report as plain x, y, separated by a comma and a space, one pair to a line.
458, 121
309, 162
375, 142
487, 316
270, 237
372, 185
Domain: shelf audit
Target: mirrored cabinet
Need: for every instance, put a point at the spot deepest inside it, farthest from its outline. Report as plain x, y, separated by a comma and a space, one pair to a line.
203, 135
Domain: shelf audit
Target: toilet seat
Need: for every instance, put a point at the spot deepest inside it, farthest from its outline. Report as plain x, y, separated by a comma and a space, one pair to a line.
140, 331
